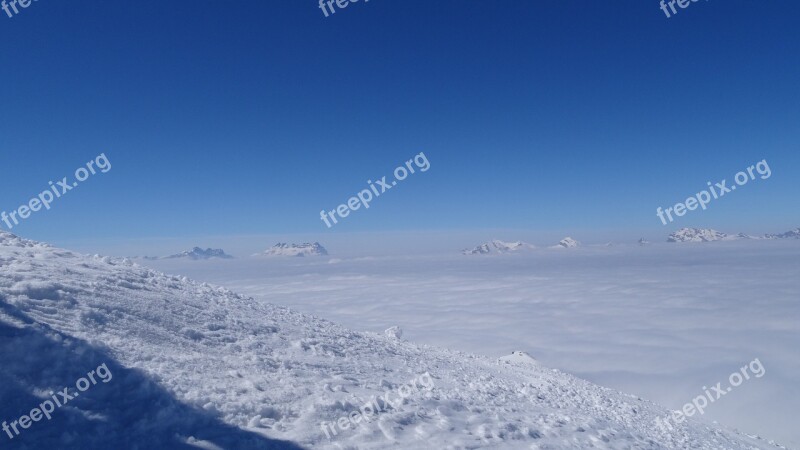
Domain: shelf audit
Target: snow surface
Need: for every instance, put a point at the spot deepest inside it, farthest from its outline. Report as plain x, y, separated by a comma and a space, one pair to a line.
197, 366
660, 321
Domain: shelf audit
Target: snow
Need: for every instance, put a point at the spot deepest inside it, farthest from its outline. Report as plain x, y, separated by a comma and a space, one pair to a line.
518, 357
394, 332
198, 366
304, 249
660, 321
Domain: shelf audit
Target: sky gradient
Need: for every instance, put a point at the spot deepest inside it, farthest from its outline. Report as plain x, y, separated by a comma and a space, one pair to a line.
248, 118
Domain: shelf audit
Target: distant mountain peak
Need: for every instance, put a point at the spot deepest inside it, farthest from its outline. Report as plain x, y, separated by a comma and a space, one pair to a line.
296, 250
568, 242
697, 235
793, 234
498, 246
198, 253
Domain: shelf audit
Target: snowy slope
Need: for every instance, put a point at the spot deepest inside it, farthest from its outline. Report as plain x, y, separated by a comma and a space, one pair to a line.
197, 366
658, 321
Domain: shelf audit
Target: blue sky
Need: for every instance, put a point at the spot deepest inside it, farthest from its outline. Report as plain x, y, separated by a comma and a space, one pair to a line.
249, 117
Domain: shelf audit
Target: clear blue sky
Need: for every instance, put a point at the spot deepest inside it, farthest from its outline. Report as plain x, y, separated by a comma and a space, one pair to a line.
248, 117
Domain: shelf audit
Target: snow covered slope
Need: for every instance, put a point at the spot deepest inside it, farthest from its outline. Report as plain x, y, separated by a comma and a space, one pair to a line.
196, 366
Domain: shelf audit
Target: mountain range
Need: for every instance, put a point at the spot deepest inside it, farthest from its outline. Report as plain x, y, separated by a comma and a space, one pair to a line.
710, 235
195, 254
296, 250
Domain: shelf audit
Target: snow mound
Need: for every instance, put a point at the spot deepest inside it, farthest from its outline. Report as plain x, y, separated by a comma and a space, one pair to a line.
498, 246
518, 357
198, 366
394, 332
304, 249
